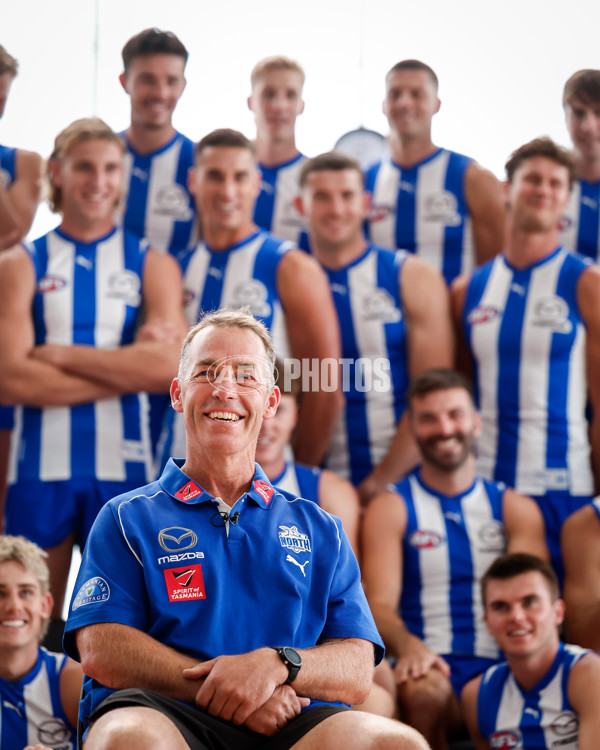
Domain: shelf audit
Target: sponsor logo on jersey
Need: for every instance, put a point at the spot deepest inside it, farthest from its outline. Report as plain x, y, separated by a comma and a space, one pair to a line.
264, 490
185, 584
177, 539
180, 557
53, 733
482, 314
552, 312
172, 201
379, 213
504, 740
423, 539
50, 283
188, 492
125, 285
491, 536
566, 723
379, 305
294, 540
94, 591
442, 208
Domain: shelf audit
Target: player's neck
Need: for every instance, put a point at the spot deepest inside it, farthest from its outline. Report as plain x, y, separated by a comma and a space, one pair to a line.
449, 483
15, 663
84, 231
218, 238
335, 257
229, 477
408, 151
523, 249
271, 152
587, 169
529, 670
146, 140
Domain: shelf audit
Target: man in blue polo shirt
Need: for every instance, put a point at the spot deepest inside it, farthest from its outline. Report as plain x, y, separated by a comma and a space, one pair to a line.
224, 607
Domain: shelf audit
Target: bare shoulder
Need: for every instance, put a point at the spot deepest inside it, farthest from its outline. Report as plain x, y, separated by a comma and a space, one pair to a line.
29, 162
387, 507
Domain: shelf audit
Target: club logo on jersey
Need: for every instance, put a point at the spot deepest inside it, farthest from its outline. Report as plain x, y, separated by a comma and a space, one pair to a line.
264, 490
94, 591
254, 294
174, 202
441, 208
185, 584
482, 314
379, 213
294, 540
54, 733
422, 539
379, 305
50, 283
125, 285
188, 492
177, 539
505, 740
491, 536
552, 312
566, 723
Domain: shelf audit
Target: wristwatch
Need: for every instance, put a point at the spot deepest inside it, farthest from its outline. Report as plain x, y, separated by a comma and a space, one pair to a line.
292, 660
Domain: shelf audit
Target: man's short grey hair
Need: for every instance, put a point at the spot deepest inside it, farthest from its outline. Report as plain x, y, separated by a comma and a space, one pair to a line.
226, 318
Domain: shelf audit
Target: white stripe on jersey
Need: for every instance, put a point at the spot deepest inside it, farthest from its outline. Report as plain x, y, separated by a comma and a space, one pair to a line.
429, 233
385, 193
568, 236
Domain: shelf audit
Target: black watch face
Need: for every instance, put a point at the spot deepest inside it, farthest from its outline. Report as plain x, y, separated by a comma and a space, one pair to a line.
292, 656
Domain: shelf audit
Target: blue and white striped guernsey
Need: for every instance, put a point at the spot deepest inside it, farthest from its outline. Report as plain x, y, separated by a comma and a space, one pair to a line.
243, 274
91, 294
527, 338
580, 226
300, 481
274, 209
159, 206
448, 545
538, 719
31, 710
368, 302
423, 209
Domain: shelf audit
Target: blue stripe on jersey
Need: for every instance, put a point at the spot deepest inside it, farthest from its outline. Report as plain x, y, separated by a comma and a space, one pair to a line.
588, 239
135, 212
453, 234
475, 290
411, 610
406, 214
389, 277
8, 165
265, 203
461, 574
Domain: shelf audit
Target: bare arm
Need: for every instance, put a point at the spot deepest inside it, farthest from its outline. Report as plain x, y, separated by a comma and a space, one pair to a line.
469, 708
384, 527
588, 299
580, 543
24, 380
71, 678
584, 695
18, 204
313, 332
150, 362
430, 344
524, 525
458, 291
339, 497
483, 194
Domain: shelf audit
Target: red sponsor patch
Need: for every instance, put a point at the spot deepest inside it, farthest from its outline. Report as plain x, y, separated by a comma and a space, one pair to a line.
424, 539
379, 213
50, 284
482, 314
504, 740
185, 584
188, 492
264, 490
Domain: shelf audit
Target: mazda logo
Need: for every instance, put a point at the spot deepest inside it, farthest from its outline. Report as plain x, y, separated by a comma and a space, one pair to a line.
177, 539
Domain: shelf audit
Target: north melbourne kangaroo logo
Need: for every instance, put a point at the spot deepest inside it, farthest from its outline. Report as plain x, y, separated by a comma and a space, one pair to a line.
289, 558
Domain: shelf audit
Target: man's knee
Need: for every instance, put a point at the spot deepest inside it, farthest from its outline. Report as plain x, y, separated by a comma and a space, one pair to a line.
134, 728
428, 696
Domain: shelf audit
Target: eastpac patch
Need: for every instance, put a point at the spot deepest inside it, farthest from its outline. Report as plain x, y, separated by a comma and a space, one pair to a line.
94, 591
189, 492
185, 584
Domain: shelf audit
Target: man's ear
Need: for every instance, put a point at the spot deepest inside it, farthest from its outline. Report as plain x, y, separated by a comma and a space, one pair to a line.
175, 392
123, 80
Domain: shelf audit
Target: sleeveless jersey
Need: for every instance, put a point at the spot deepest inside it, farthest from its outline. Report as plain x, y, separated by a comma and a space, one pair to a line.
538, 719
449, 544
8, 170
299, 481
243, 274
159, 206
274, 209
423, 209
580, 226
375, 377
31, 711
527, 338
91, 294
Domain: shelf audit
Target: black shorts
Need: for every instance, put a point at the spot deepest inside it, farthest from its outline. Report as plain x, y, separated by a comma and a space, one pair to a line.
205, 732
